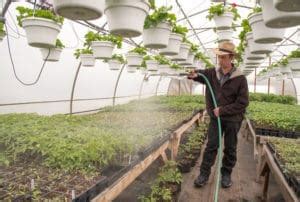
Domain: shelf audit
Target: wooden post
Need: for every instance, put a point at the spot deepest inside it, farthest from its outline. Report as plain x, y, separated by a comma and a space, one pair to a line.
179, 86
282, 92
266, 185
254, 79
269, 82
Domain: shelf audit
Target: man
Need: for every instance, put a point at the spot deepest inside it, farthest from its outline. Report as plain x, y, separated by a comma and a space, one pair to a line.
231, 91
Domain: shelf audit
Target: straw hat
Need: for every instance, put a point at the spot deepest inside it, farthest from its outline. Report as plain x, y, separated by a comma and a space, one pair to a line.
225, 48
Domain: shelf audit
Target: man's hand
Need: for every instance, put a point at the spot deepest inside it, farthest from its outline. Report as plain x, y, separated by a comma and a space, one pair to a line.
217, 112
192, 74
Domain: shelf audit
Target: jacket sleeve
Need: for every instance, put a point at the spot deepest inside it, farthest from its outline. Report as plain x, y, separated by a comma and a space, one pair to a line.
200, 78
241, 102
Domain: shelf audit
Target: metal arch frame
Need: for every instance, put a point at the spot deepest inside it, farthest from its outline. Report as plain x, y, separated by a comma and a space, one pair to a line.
117, 84
141, 86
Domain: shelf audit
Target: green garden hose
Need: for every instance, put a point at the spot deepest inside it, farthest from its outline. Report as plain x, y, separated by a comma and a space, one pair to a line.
220, 138
217, 188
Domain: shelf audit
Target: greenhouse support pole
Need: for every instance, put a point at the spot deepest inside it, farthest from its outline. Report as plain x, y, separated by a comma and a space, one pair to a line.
73, 88
5, 8
116, 85
295, 89
157, 85
141, 86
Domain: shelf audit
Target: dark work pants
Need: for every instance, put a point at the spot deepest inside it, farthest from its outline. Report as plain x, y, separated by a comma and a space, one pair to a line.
230, 130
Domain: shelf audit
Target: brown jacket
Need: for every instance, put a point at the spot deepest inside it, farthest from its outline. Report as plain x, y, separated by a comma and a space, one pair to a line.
232, 97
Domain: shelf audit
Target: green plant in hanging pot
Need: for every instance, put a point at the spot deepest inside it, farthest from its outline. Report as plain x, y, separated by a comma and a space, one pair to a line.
157, 28
116, 61
223, 15
2, 32
135, 56
150, 62
41, 26
294, 62
178, 33
164, 64
102, 45
53, 54
86, 56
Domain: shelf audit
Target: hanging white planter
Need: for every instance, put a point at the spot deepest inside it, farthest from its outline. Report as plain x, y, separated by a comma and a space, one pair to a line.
53, 55
134, 59
157, 37
173, 45
285, 70
131, 69
225, 35
251, 56
114, 64
41, 32
163, 69
102, 49
262, 33
294, 64
78, 9
287, 5
224, 21
143, 71
126, 18
183, 52
252, 62
152, 65
277, 19
257, 48
189, 61
87, 60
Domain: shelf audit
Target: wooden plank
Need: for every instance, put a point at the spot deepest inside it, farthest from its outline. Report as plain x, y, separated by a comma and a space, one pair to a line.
254, 138
122, 183
115, 189
164, 156
286, 190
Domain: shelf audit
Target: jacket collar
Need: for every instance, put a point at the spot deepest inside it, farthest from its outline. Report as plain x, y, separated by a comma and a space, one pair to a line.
236, 72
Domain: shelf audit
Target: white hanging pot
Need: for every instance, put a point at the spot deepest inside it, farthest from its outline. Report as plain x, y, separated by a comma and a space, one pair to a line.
114, 64
285, 70
163, 69
143, 71
224, 21
131, 69
78, 9
134, 59
40, 32
287, 5
126, 18
251, 56
197, 64
257, 48
52, 54
277, 19
252, 62
262, 33
290, 75
87, 60
252, 67
276, 71
173, 45
189, 61
225, 35
102, 49
157, 37
294, 65
183, 52
152, 65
